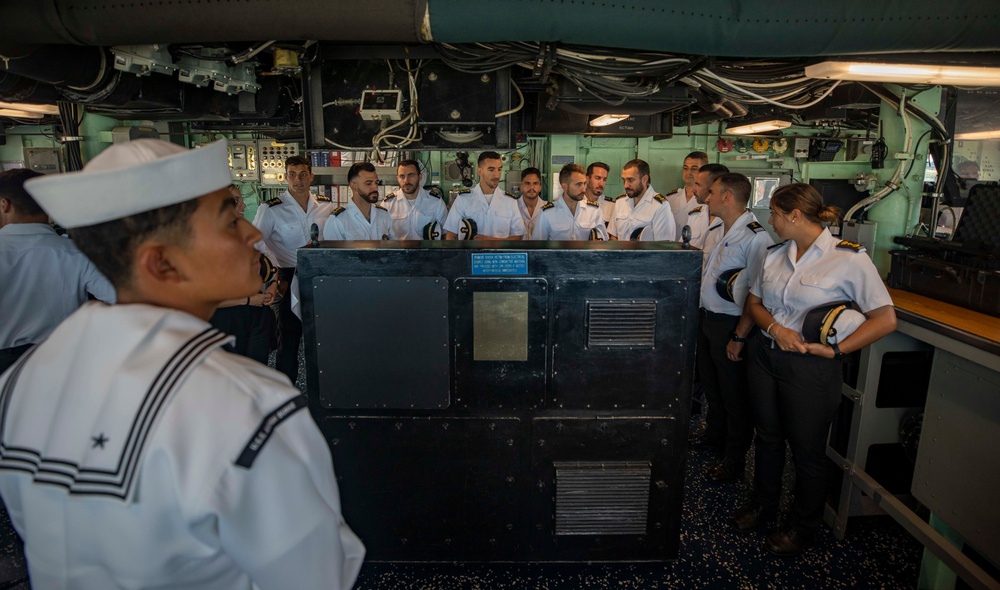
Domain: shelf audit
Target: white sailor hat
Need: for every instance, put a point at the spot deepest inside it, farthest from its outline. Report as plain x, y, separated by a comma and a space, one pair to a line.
831, 323
130, 178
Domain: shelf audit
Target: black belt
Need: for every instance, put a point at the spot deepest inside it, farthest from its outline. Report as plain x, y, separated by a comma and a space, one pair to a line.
718, 316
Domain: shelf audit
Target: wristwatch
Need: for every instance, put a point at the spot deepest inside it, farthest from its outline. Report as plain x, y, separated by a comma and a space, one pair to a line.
736, 337
836, 352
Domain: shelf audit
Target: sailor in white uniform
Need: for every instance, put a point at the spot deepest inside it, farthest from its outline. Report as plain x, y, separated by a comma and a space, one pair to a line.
571, 216
683, 200
285, 223
530, 204
136, 452
413, 207
699, 218
44, 276
645, 214
363, 218
597, 180
795, 385
724, 326
485, 212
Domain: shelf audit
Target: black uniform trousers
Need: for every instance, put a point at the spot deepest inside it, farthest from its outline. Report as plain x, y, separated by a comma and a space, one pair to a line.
729, 423
794, 398
252, 327
289, 331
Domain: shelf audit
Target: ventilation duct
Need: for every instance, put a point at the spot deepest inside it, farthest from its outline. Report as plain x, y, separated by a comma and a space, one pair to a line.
734, 28
99, 22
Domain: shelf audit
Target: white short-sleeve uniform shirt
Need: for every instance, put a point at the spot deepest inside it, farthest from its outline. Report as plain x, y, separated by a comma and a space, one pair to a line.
349, 223
558, 223
830, 270
530, 219
743, 246
651, 210
285, 226
496, 217
410, 217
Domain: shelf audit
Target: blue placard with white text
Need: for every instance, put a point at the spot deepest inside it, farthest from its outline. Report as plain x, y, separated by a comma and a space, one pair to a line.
500, 264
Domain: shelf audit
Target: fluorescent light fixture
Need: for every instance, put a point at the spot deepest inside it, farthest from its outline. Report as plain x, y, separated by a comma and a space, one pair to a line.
905, 73
974, 135
20, 114
45, 109
605, 120
759, 127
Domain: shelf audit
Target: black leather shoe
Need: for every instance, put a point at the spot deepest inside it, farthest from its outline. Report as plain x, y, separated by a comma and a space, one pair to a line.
723, 472
788, 542
752, 517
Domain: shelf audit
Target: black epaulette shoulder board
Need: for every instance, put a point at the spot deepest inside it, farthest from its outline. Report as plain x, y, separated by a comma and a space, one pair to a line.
716, 226
592, 203
659, 197
848, 245
620, 196
323, 199
548, 206
465, 191
755, 227
377, 206
695, 210
610, 198
391, 197
777, 245
510, 195
674, 192
274, 202
338, 211
435, 194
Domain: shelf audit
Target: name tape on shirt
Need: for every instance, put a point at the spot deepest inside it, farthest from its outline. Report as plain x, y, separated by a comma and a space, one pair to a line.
266, 429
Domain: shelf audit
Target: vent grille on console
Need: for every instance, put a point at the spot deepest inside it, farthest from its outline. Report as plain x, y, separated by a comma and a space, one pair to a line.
621, 322
602, 498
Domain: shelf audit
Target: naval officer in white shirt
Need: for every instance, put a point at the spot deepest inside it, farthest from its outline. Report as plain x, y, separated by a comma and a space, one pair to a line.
412, 207
363, 218
284, 223
134, 451
645, 214
485, 212
571, 216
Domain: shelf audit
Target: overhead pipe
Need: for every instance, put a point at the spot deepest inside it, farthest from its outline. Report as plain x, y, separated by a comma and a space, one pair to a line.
15, 88
748, 28
751, 28
137, 23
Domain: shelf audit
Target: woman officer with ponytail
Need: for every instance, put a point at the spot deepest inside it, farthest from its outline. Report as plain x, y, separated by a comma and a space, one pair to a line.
795, 385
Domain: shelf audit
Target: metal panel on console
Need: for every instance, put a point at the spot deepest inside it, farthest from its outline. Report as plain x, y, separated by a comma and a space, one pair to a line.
509, 373
437, 489
398, 326
620, 343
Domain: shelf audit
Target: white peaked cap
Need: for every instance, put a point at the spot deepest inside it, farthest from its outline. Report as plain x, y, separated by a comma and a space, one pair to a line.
130, 178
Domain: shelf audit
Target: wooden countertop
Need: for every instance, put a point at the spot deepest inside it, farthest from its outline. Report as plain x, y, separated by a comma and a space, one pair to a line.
960, 318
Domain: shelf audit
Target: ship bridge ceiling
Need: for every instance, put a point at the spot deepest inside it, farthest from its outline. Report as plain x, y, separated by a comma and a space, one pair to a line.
691, 62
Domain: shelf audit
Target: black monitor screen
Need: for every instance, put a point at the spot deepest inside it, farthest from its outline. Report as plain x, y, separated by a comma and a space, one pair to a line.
838, 192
